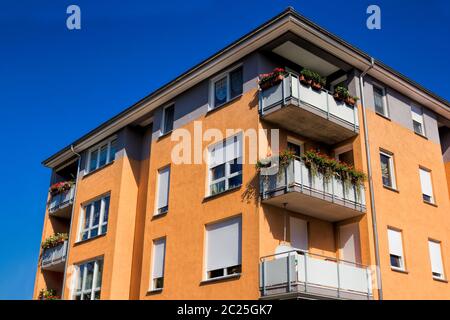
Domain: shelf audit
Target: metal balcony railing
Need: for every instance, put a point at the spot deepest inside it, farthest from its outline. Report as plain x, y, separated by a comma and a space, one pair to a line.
297, 177
52, 257
61, 200
321, 101
300, 273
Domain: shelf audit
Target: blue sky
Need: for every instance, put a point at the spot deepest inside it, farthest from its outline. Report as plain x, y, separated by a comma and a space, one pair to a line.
56, 84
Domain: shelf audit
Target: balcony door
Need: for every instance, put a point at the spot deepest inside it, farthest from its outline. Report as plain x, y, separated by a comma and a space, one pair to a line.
349, 243
298, 230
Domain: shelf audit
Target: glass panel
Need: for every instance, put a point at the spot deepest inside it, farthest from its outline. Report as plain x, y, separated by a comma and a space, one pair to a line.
220, 91
236, 82
89, 275
378, 100
97, 295
218, 172
87, 215
294, 148
98, 283
96, 214
93, 160
417, 127
235, 166
106, 212
395, 261
235, 181
103, 155
386, 170
87, 296
218, 187
168, 118
80, 278
215, 273
112, 150
84, 235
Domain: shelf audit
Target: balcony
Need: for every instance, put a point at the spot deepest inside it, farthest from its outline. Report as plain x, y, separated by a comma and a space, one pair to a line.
53, 259
310, 113
298, 274
60, 204
299, 190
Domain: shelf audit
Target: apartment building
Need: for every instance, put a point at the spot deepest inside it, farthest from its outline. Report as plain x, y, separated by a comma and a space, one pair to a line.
133, 223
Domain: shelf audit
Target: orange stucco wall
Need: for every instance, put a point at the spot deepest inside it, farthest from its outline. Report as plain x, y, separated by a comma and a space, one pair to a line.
406, 210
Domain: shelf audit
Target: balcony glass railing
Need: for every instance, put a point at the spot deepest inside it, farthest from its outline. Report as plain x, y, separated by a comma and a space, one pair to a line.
52, 257
297, 177
321, 101
61, 200
314, 275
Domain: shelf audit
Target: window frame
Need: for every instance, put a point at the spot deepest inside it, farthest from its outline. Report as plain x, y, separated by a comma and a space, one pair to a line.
163, 119
393, 179
423, 133
158, 211
386, 113
207, 274
227, 175
152, 279
212, 82
97, 148
93, 290
443, 277
402, 257
101, 222
433, 198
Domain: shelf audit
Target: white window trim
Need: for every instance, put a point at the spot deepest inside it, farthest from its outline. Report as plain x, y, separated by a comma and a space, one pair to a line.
101, 223
226, 73
227, 176
152, 284
412, 105
163, 119
385, 102
205, 250
391, 169
156, 210
84, 291
98, 147
402, 257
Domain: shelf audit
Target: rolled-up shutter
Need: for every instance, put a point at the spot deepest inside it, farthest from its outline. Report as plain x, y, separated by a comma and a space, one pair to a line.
159, 249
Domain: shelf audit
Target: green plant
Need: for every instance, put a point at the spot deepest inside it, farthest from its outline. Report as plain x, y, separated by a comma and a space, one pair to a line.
329, 168
313, 76
48, 294
54, 240
341, 92
269, 79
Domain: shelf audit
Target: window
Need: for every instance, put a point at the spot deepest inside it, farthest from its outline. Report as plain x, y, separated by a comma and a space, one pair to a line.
168, 118
417, 118
295, 148
387, 169
223, 247
162, 195
94, 220
225, 165
226, 87
88, 281
437, 268
379, 97
101, 155
396, 249
427, 188
159, 253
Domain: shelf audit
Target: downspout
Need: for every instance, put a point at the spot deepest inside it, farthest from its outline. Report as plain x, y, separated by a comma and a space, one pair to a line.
71, 219
369, 171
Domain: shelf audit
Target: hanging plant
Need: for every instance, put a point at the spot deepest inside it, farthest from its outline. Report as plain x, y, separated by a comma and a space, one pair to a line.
329, 167
61, 187
271, 79
54, 240
48, 294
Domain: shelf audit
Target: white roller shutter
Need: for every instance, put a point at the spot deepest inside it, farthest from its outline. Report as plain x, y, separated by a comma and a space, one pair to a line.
224, 244
159, 252
163, 187
395, 242
425, 181
436, 257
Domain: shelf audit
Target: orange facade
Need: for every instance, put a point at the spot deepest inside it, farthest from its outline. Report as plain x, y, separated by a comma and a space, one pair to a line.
131, 182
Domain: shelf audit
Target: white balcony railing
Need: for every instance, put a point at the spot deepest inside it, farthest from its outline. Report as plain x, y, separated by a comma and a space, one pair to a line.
52, 257
304, 273
321, 101
61, 200
297, 177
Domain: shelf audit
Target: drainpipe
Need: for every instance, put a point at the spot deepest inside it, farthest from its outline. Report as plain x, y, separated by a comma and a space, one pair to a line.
369, 169
71, 219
